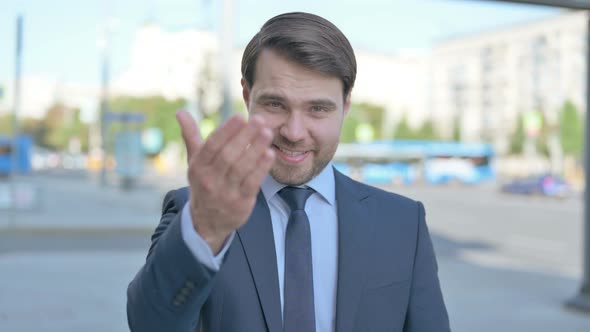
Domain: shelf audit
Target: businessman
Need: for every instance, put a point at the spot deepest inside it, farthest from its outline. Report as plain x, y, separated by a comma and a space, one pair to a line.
268, 236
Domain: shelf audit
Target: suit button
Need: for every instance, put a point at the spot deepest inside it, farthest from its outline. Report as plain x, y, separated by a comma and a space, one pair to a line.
176, 303
185, 291
190, 285
180, 298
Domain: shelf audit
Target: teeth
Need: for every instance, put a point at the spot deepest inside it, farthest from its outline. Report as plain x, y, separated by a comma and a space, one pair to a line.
291, 153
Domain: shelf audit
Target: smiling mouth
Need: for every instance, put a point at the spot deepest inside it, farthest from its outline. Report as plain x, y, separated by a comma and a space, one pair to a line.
291, 156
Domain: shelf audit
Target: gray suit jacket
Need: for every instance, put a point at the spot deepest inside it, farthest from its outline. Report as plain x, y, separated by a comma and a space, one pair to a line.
387, 271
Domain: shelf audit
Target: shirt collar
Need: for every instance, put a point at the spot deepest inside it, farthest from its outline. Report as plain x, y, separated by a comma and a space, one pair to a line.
322, 183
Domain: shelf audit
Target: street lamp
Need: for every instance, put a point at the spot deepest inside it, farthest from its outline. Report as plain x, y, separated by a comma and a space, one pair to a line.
103, 46
104, 69
226, 48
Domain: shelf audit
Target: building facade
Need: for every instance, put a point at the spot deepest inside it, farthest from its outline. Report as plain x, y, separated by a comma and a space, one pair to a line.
480, 82
486, 81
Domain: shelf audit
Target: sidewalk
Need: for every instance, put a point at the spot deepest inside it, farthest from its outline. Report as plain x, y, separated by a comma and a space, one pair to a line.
85, 291
82, 287
486, 297
80, 202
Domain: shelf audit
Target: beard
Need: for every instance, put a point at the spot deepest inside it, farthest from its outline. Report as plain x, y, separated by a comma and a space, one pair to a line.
295, 175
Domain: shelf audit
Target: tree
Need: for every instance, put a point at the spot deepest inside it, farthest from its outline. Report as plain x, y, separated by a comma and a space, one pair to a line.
159, 113
403, 130
58, 127
371, 114
518, 137
27, 125
542, 139
348, 134
571, 130
6, 124
362, 113
457, 129
428, 132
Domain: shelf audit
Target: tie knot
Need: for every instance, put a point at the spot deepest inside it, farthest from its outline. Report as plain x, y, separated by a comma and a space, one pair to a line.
295, 197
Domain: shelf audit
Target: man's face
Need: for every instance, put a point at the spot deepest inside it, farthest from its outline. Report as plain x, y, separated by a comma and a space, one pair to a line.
305, 109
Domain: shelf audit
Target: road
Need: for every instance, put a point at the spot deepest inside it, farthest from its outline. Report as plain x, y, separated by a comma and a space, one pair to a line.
505, 263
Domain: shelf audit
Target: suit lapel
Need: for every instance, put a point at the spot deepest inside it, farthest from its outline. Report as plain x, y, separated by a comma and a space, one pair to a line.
354, 237
258, 243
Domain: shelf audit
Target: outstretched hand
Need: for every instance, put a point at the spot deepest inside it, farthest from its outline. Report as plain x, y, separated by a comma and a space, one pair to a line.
225, 173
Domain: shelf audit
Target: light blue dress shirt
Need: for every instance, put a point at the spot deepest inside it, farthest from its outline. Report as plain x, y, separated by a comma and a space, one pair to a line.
322, 213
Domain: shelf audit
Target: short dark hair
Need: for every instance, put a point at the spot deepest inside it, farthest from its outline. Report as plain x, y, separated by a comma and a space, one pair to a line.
306, 39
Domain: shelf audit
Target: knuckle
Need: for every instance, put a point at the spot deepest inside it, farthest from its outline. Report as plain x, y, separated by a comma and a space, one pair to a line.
207, 184
226, 155
235, 173
208, 150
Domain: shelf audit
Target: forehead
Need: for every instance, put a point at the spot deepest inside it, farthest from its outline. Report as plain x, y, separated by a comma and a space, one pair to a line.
279, 75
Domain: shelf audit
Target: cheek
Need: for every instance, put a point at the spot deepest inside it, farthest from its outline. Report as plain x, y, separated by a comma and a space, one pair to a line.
326, 133
271, 120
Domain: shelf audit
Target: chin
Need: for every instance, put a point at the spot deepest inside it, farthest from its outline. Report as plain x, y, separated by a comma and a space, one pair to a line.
291, 176
296, 175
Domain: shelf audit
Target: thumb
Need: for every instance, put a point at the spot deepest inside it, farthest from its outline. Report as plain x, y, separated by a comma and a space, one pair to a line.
190, 133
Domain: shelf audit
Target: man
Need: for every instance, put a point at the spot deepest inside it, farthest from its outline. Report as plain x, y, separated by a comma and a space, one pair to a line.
269, 236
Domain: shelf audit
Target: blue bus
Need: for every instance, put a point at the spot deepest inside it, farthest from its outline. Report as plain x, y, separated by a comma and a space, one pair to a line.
467, 163
408, 161
24, 143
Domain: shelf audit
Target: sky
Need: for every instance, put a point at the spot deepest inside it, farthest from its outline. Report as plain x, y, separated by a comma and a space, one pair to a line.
61, 36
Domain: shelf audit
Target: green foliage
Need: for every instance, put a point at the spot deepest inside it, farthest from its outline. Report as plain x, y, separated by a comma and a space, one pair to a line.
403, 130
571, 130
26, 125
457, 129
426, 132
55, 130
371, 114
362, 113
159, 113
542, 145
518, 137
6, 124
348, 134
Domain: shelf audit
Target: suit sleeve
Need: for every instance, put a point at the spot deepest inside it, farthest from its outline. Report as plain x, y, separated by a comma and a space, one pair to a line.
168, 292
426, 311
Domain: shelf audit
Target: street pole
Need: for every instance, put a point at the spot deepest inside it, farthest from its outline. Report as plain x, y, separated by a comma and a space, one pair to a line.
104, 103
16, 109
226, 48
581, 301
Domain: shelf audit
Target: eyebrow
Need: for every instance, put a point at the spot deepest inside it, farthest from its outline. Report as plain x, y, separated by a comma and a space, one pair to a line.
322, 102
270, 97
316, 102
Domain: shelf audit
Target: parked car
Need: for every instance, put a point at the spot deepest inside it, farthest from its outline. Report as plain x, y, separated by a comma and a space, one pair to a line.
545, 185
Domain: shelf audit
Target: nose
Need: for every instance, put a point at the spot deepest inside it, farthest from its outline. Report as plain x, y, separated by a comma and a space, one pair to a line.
294, 127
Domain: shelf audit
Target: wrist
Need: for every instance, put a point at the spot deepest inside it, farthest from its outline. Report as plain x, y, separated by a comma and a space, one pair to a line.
213, 236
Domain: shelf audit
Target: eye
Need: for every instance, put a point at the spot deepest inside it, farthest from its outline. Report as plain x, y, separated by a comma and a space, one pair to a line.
318, 109
273, 106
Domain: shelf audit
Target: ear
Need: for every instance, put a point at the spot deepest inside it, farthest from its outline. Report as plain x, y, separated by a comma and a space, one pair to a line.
347, 104
245, 93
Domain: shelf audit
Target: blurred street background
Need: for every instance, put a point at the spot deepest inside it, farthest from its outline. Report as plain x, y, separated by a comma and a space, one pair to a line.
476, 108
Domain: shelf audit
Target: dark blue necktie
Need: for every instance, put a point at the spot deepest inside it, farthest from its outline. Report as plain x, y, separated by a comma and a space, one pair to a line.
298, 310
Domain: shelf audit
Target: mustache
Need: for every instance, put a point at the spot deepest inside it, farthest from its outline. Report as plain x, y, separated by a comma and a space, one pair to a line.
287, 144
